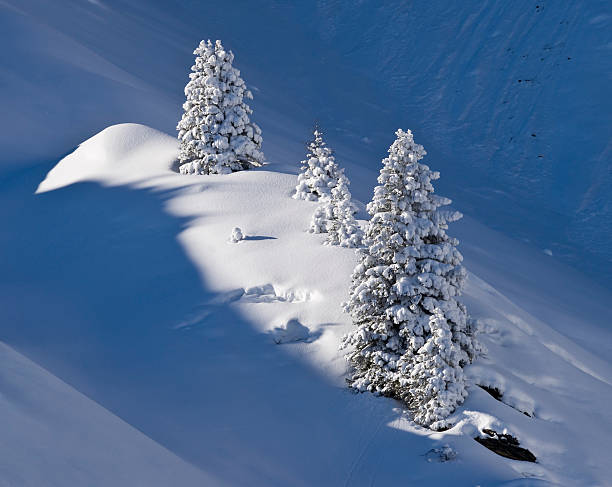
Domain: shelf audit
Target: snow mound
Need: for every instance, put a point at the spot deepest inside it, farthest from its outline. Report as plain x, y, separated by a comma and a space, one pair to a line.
292, 331
267, 293
104, 157
116, 142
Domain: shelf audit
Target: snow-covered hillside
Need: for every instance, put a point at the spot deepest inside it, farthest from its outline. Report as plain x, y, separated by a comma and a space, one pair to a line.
54, 436
122, 282
511, 99
141, 344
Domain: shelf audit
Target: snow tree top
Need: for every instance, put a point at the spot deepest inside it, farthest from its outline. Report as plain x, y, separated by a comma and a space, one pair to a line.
215, 133
319, 172
412, 337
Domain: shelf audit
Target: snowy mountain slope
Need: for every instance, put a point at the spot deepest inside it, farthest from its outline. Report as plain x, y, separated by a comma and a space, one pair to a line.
530, 158
226, 354
54, 436
513, 99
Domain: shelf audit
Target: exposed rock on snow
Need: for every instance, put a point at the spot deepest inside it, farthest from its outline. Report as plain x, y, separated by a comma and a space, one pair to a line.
493, 391
497, 394
505, 445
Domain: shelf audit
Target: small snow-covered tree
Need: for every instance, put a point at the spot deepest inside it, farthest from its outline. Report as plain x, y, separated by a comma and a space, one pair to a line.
319, 172
321, 217
236, 235
412, 337
216, 135
335, 216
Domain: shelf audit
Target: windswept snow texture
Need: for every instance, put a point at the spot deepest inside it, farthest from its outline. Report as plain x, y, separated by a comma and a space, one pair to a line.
511, 99
121, 282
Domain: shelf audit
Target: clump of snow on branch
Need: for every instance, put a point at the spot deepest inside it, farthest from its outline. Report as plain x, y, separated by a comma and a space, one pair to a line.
412, 336
216, 135
319, 172
236, 235
335, 216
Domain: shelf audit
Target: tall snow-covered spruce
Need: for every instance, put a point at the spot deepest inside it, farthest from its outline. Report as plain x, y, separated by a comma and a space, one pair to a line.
216, 135
412, 337
319, 172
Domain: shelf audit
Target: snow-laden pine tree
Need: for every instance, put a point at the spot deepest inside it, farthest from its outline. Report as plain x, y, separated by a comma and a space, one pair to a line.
319, 172
321, 217
335, 216
216, 135
412, 337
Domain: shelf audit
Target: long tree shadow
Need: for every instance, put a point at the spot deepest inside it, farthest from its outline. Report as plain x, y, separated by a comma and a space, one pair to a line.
94, 287
259, 237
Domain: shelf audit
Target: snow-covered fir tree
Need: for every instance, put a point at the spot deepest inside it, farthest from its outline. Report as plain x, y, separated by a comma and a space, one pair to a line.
321, 217
216, 135
412, 337
319, 172
335, 216
237, 235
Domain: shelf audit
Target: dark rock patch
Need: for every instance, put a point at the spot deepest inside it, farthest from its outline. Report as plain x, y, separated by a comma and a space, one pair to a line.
505, 445
493, 391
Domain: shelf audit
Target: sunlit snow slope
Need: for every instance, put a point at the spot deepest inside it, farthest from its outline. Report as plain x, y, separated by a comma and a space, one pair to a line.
123, 284
511, 99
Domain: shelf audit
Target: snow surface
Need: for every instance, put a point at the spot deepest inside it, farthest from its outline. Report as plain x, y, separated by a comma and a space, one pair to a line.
122, 283
511, 99
54, 436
